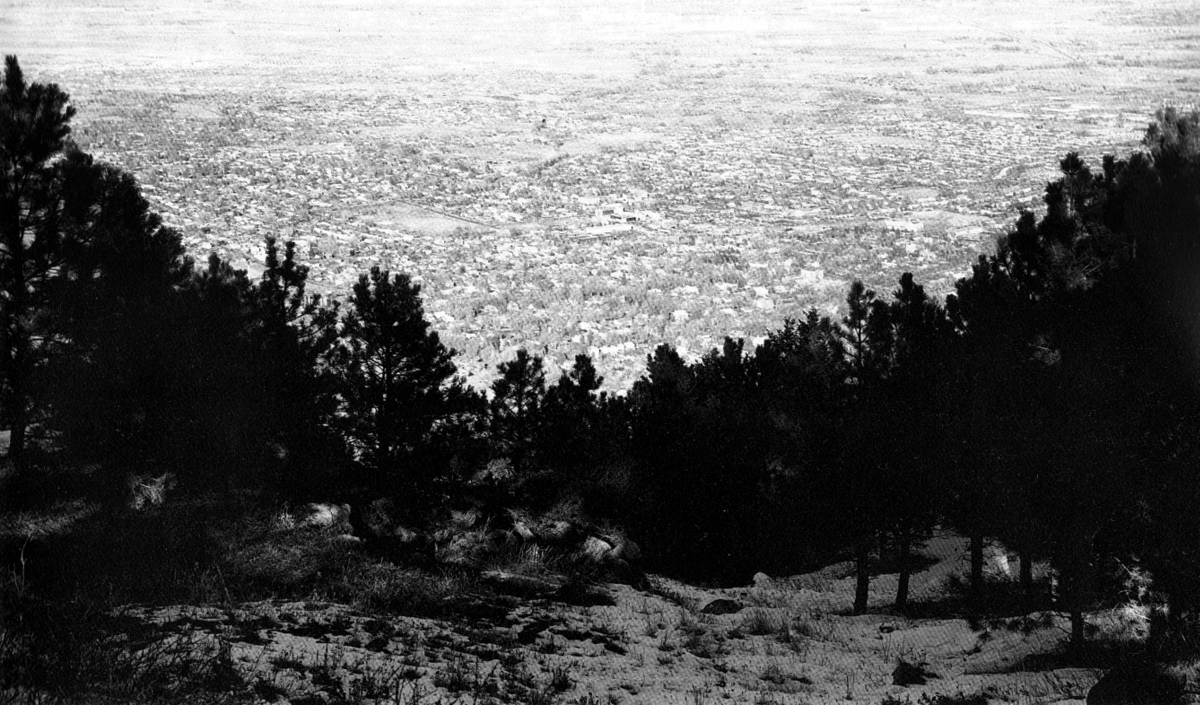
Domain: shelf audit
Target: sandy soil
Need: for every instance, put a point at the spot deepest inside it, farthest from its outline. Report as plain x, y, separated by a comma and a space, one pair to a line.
788, 642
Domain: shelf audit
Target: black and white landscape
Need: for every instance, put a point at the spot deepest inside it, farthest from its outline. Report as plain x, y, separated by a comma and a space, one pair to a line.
600, 352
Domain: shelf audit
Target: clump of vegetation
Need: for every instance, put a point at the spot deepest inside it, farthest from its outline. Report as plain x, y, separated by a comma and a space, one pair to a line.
68, 652
763, 622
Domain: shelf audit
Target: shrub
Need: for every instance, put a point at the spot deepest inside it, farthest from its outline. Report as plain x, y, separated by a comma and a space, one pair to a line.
73, 652
761, 622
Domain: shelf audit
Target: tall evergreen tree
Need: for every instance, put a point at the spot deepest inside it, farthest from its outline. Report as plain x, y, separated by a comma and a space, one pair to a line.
396, 379
866, 333
914, 396
116, 312
575, 429
293, 331
34, 127
516, 408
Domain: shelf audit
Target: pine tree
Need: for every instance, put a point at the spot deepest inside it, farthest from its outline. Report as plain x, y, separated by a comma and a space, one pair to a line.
396, 379
914, 400
115, 311
516, 408
291, 334
575, 430
34, 127
866, 334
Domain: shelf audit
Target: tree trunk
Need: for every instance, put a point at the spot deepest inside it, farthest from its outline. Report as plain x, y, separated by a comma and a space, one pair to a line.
862, 569
16, 444
976, 571
1077, 639
903, 545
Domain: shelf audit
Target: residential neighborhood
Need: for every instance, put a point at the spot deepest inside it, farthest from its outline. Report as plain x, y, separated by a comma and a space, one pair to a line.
604, 232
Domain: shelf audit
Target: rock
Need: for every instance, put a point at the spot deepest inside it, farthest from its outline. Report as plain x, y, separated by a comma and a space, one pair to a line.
722, 605
627, 550
762, 580
521, 530
1136, 685
906, 674
324, 516
837, 571
596, 549
620, 571
996, 562
561, 533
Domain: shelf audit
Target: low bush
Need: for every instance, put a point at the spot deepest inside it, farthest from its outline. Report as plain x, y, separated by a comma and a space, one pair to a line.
66, 652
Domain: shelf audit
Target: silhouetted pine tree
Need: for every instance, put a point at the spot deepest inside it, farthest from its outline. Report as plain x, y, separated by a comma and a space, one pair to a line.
697, 455
217, 443
915, 393
291, 334
866, 333
396, 380
800, 372
34, 125
516, 409
576, 433
117, 312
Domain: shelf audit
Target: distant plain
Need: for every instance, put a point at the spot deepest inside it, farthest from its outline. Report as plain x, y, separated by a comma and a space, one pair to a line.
773, 150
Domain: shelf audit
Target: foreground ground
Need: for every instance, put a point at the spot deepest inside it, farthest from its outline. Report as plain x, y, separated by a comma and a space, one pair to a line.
787, 644
768, 151
506, 630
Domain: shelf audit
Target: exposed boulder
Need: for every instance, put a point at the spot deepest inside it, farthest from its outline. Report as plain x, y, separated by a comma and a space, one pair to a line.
324, 516
622, 571
625, 549
617, 558
561, 534
762, 580
837, 571
380, 520
597, 550
997, 563
520, 529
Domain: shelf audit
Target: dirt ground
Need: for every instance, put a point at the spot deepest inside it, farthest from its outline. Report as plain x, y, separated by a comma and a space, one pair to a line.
783, 640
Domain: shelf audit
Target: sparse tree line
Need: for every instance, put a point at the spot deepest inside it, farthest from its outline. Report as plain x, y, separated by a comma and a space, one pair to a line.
1050, 403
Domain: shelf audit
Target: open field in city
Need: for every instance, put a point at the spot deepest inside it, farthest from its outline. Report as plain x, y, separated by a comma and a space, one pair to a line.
761, 153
